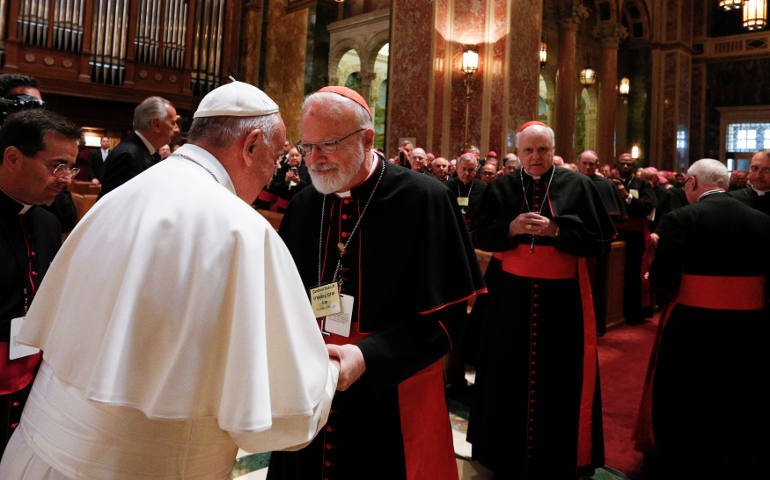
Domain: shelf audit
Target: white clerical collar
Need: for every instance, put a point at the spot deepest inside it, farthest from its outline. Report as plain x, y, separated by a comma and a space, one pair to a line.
759, 192
146, 143
710, 192
24, 206
372, 168
209, 162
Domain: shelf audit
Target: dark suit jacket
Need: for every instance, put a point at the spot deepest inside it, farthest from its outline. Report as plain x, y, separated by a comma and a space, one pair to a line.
96, 164
127, 160
748, 196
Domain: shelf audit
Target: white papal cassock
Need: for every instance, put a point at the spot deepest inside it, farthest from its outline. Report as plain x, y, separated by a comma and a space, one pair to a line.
174, 329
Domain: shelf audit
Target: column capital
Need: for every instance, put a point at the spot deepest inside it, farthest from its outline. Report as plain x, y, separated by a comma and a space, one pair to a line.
366, 77
572, 13
610, 34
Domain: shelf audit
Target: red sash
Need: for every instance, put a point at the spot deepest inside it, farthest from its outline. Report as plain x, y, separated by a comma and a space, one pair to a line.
549, 263
425, 428
702, 291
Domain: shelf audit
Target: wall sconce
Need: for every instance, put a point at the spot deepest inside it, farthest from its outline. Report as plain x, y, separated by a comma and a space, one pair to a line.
470, 61
587, 76
624, 88
543, 54
469, 67
635, 152
728, 5
754, 14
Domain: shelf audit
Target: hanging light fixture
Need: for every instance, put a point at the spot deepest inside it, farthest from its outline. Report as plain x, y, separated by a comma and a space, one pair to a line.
754, 14
728, 5
635, 152
587, 76
624, 88
543, 54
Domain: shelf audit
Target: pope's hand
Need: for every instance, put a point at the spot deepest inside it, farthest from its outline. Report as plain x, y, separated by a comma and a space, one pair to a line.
352, 364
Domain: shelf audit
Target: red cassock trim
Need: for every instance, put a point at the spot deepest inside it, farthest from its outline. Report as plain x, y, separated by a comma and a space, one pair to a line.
425, 426
549, 263
701, 291
268, 197
436, 309
16, 374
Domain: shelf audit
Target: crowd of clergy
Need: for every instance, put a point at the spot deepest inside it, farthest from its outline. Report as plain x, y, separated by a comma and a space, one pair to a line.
146, 365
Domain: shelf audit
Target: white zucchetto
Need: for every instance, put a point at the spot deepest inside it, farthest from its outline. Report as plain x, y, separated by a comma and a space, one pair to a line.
236, 99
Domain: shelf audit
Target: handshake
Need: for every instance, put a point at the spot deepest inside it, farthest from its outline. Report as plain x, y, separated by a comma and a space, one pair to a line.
349, 361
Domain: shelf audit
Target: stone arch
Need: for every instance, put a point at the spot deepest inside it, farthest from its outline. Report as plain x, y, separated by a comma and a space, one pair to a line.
636, 19
339, 50
372, 49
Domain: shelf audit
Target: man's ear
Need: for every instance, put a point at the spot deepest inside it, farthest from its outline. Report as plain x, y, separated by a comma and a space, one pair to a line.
250, 146
12, 157
368, 139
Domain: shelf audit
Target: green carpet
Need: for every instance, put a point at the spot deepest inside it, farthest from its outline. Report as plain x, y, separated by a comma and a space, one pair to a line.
250, 463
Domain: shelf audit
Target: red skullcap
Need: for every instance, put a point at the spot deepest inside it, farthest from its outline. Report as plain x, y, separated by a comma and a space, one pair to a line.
591, 152
625, 155
492, 153
348, 93
531, 123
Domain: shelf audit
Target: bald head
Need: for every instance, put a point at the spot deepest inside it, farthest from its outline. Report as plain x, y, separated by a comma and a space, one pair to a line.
587, 162
535, 146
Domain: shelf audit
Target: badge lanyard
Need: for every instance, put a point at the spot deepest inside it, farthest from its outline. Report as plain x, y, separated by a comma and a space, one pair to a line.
341, 250
545, 199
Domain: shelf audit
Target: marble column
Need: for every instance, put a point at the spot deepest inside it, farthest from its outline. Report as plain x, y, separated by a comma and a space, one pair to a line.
251, 41
427, 40
571, 15
609, 36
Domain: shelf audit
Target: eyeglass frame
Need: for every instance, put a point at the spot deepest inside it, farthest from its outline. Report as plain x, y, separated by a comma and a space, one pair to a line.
58, 171
323, 147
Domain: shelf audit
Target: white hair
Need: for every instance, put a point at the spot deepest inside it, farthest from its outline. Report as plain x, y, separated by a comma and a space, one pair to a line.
541, 129
222, 132
151, 107
710, 173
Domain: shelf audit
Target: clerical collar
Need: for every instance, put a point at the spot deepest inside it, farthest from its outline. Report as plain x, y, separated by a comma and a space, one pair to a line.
146, 143
13, 206
207, 161
759, 192
539, 176
710, 192
372, 168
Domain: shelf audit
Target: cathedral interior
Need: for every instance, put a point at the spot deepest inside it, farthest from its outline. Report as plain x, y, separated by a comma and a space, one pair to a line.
671, 81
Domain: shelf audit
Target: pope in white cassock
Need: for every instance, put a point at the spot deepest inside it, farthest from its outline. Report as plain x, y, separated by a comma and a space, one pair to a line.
173, 323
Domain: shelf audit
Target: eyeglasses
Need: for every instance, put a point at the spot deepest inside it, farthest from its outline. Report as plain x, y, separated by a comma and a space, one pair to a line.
323, 147
62, 170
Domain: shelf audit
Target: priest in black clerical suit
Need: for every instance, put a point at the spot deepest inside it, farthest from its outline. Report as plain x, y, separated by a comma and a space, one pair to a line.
755, 194
707, 401
634, 229
537, 411
465, 187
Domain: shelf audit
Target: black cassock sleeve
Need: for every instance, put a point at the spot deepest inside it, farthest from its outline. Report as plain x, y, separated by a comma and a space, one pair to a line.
668, 264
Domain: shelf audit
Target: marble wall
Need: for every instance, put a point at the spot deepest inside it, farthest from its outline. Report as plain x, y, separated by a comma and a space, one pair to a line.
284, 64
425, 72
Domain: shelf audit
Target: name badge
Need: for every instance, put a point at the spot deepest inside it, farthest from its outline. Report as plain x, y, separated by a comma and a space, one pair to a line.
325, 299
339, 323
16, 349
634, 193
462, 201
